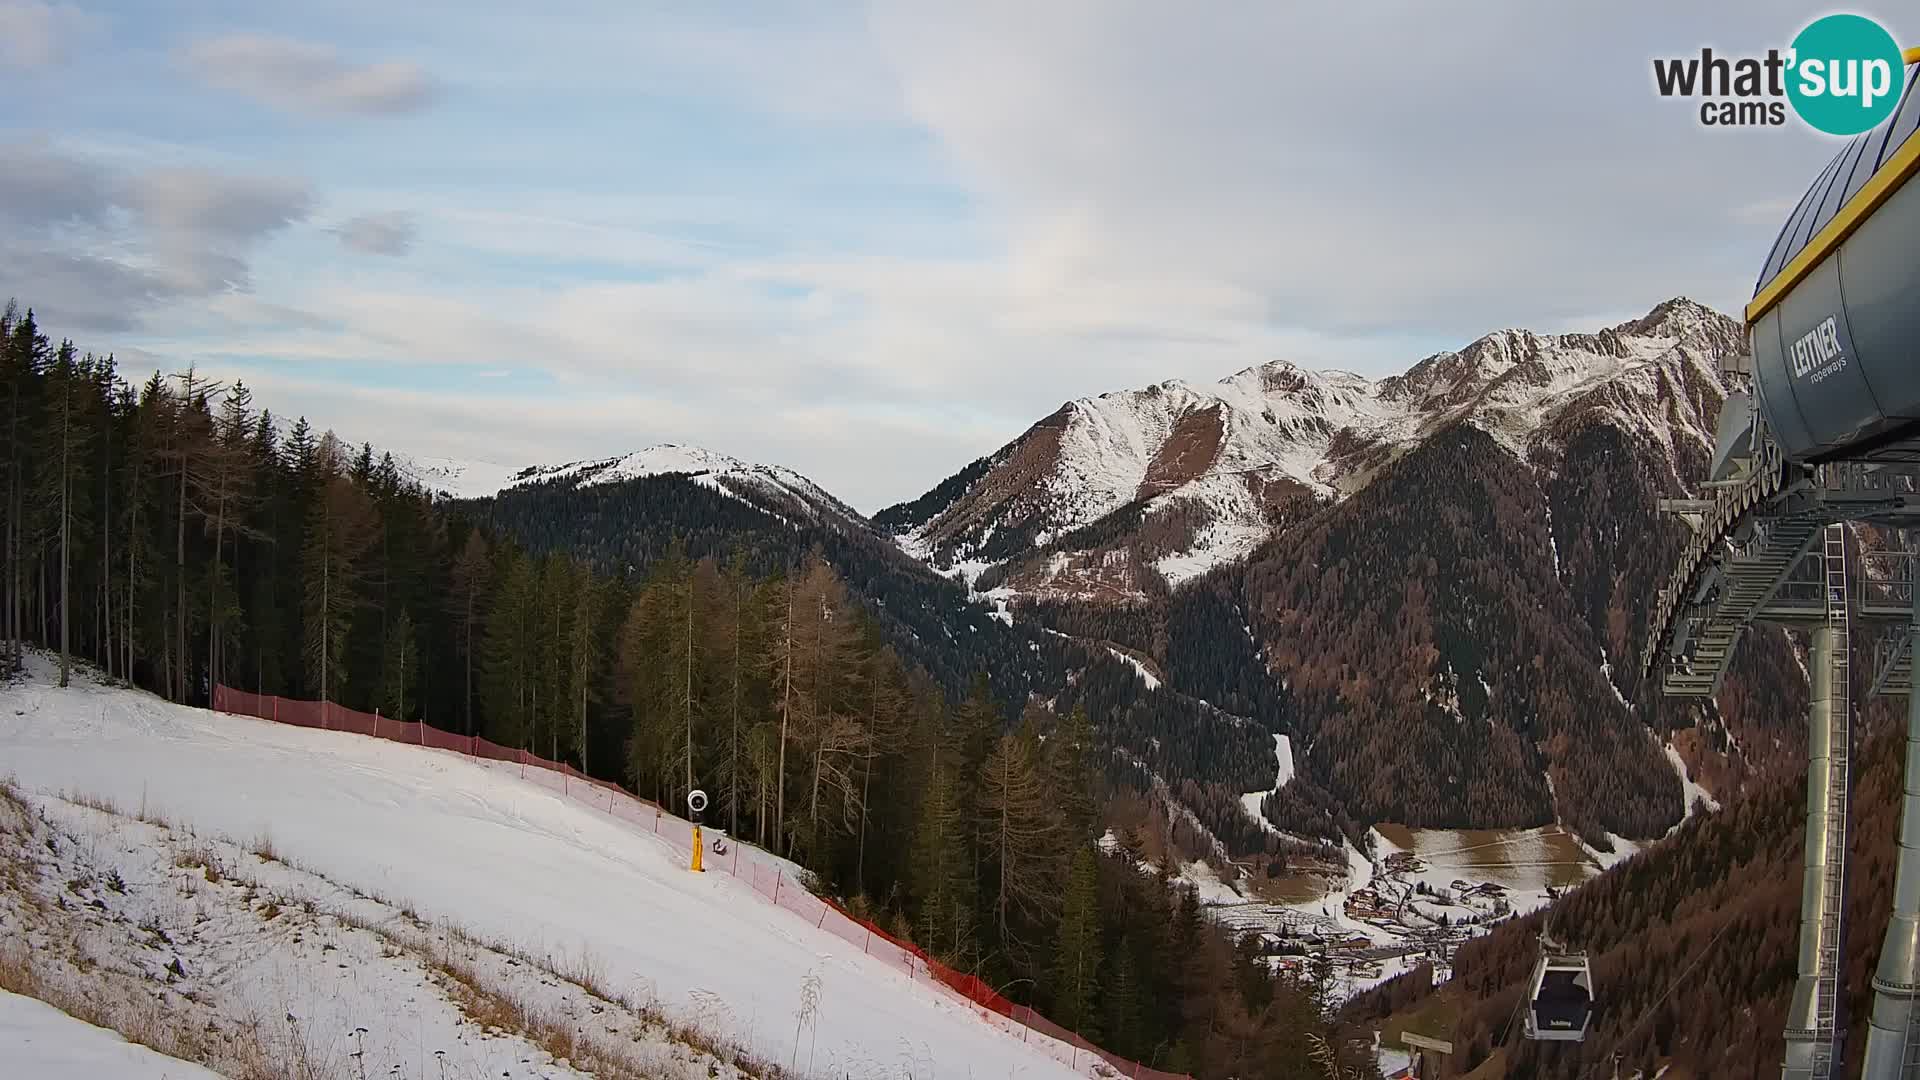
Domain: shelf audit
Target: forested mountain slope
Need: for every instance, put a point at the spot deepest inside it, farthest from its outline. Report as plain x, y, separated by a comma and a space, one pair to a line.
179, 537
1708, 918
1438, 595
1120, 495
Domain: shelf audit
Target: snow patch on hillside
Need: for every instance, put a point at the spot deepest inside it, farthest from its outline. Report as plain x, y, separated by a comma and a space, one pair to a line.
1283, 756
458, 478
1689, 790
1216, 545
1146, 676
40, 1042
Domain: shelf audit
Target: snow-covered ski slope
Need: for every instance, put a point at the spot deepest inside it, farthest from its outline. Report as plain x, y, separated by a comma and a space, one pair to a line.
472, 844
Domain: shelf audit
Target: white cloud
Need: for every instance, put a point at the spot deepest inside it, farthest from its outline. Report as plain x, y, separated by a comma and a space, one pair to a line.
305, 77
100, 248
35, 34
1435, 168
1117, 194
391, 233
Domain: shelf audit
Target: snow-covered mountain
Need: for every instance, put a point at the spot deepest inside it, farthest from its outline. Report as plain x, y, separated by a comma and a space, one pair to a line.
782, 487
1188, 477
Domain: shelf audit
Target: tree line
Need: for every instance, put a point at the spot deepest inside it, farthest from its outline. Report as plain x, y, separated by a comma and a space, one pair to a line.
178, 538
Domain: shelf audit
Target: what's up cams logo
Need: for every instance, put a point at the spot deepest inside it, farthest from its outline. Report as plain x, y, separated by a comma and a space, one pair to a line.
1842, 75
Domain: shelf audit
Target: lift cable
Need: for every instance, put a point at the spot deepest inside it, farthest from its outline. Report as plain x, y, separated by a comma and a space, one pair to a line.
1677, 980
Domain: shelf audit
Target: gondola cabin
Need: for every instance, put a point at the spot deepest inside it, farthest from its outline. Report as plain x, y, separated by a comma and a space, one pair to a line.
1560, 1005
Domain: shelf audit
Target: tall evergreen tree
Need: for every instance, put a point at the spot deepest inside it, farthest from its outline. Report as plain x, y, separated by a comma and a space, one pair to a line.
340, 529
470, 574
1076, 964
401, 662
1018, 832
64, 472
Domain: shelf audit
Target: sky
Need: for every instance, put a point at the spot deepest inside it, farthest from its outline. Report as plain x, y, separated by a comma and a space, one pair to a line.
868, 241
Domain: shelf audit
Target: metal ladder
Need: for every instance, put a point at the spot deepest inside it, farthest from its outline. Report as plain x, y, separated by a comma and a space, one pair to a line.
1840, 718
1910, 1051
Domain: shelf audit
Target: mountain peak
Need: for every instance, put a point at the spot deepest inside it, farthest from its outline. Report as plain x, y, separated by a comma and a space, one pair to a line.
1193, 475
1677, 318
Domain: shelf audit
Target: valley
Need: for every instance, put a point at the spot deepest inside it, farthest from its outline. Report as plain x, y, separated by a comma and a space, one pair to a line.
1276, 683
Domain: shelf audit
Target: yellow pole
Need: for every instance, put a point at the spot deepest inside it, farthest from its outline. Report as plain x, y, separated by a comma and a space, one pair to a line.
697, 868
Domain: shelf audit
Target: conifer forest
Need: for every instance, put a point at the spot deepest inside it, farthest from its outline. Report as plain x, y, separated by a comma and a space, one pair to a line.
176, 533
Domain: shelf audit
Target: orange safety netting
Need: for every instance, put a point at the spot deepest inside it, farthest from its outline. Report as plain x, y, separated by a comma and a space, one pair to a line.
762, 871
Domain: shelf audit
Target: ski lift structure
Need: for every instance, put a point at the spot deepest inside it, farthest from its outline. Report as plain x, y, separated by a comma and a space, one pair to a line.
1822, 435
1560, 997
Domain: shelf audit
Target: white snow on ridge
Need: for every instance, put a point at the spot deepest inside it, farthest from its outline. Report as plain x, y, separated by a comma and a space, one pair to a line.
457, 477
1327, 431
507, 861
1283, 756
477, 479
1216, 545
1145, 675
1689, 789
40, 1042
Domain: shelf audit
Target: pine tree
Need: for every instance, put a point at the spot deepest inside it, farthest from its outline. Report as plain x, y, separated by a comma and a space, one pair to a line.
226, 498
1123, 1000
942, 869
1076, 964
470, 575
25, 351
583, 650
829, 732
339, 531
507, 673
1018, 836
401, 660
886, 724
188, 441
1070, 773
64, 472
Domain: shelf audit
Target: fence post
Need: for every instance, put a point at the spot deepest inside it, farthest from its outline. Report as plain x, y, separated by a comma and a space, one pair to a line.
376, 721
776, 884
867, 944
423, 733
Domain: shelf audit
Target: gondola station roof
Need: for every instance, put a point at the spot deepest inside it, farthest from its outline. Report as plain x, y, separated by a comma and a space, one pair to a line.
1835, 318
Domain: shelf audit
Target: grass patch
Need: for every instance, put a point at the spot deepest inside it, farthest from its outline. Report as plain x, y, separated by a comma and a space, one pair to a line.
263, 849
203, 859
94, 802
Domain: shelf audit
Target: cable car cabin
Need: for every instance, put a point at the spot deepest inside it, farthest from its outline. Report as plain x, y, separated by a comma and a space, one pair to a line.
1835, 318
1561, 1003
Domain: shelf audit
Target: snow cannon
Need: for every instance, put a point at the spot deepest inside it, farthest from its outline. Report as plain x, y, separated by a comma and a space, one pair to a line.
696, 806
1835, 317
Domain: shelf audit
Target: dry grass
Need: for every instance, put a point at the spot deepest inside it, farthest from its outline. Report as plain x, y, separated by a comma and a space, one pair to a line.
263, 848
203, 858
94, 802
496, 1007
42, 958
63, 976
137, 1017
10, 794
